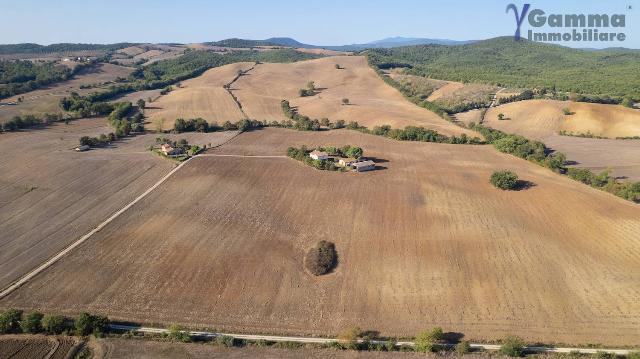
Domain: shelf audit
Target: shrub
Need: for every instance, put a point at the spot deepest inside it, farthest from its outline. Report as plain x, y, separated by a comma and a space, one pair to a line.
604, 355
10, 321
53, 324
177, 333
426, 340
345, 101
390, 345
566, 111
322, 258
226, 341
512, 346
349, 337
463, 347
634, 355
505, 180
500, 116
32, 323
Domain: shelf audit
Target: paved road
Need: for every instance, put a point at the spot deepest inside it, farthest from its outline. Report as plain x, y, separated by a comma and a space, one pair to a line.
25, 278
314, 340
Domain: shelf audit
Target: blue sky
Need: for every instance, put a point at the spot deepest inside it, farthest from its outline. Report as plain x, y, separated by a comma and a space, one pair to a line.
327, 22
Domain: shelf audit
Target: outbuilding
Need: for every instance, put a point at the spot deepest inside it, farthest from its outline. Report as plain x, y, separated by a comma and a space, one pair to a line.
363, 166
319, 155
345, 162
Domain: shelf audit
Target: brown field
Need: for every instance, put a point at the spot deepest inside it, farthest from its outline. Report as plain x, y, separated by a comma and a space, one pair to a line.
541, 118
202, 96
325, 52
35, 347
372, 101
45, 100
51, 195
131, 50
143, 349
422, 242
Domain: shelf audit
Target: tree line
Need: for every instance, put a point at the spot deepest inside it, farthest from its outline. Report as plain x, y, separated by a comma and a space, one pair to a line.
13, 321
17, 77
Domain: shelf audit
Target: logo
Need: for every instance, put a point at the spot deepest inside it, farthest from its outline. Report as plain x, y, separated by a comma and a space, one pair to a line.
589, 27
520, 18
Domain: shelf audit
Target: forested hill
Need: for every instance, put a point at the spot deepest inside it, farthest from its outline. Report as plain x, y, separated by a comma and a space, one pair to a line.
42, 49
525, 64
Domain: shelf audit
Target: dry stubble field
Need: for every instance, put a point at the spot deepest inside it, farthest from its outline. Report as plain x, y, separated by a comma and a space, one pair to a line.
36, 347
543, 119
51, 195
372, 101
424, 241
202, 96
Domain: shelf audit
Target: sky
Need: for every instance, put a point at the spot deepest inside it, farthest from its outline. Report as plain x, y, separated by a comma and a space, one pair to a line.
327, 22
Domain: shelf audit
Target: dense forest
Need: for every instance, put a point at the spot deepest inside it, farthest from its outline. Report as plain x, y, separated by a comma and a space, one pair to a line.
42, 49
18, 77
504, 62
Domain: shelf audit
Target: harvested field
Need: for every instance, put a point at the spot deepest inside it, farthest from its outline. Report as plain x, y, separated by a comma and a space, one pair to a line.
421, 242
538, 119
51, 195
325, 52
46, 99
372, 102
543, 119
142, 349
35, 347
203, 96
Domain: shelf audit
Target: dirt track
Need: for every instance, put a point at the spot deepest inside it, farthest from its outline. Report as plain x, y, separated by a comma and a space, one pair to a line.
423, 242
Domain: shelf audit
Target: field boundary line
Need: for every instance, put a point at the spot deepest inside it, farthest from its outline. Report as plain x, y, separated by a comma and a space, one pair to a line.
241, 156
31, 274
316, 340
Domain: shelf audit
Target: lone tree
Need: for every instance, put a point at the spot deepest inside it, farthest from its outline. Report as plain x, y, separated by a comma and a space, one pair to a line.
311, 86
501, 116
349, 337
427, 340
338, 66
141, 104
345, 101
505, 180
322, 258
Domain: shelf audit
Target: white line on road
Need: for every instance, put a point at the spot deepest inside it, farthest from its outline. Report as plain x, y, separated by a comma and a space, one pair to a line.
315, 340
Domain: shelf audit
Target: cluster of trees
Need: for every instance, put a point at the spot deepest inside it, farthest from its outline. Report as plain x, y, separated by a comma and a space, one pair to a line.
300, 122
122, 122
99, 141
14, 321
18, 76
414, 133
182, 144
322, 258
505, 180
201, 125
524, 95
524, 148
85, 106
523, 64
347, 151
604, 181
302, 155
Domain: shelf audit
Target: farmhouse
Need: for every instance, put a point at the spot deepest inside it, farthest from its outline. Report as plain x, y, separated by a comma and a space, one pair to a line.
169, 150
364, 166
318, 155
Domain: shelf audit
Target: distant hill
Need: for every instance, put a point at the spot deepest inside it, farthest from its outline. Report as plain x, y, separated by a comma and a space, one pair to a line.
63, 47
289, 42
503, 61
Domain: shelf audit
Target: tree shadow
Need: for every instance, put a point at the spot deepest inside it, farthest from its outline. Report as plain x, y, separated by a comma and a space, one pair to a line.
379, 168
370, 334
453, 337
522, 185
571, 163
377, 160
